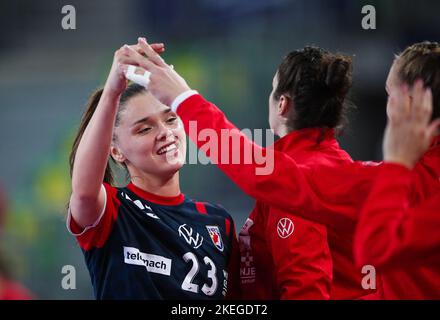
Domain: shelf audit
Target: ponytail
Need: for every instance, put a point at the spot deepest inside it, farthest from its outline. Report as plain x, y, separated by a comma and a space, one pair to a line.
92, 103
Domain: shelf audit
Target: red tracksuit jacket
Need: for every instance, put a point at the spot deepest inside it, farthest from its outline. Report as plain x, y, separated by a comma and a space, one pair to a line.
401, 241
285, 256
331, 196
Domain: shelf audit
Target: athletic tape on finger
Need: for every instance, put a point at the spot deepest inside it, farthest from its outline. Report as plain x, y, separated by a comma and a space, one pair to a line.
141, 79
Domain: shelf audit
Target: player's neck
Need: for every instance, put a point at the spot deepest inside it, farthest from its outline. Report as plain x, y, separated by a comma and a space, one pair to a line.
282, 130
162, 186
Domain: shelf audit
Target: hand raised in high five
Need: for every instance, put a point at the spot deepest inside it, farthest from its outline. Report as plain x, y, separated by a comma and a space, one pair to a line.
164, 82
409, 130
116, 81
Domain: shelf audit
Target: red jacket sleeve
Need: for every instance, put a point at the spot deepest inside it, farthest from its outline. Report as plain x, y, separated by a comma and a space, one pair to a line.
389, 231
320, 193
302, 258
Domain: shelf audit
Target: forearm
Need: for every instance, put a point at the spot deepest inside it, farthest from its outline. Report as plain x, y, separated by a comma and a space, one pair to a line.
94, 148
280, 182
199, 115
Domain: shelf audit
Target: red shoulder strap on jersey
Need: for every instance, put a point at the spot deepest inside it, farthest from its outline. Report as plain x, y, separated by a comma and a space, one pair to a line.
200, 206
228, 226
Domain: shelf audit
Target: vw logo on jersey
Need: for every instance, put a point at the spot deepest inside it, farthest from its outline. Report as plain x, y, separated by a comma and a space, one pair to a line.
194, 239
285, 227
216, 237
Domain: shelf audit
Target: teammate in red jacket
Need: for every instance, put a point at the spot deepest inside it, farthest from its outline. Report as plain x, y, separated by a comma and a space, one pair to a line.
400, 240
284, 256
330, 196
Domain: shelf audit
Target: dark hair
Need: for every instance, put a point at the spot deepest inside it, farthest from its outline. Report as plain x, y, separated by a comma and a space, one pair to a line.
422, 61
131, 91
317, 81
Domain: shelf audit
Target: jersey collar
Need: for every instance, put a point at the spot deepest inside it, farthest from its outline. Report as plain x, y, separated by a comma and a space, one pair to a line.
304, 138
154, 198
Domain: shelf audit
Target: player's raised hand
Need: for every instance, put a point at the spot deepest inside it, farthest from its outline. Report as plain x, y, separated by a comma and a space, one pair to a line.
124, 56
409, 131
165, 83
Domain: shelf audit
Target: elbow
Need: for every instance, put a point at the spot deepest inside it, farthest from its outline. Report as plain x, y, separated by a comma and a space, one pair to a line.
85, 191
84, 198
80, 203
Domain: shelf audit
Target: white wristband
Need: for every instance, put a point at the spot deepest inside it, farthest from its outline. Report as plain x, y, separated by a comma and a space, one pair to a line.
182, 97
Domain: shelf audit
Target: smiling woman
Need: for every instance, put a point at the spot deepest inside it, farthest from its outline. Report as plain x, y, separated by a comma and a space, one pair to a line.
149, 140
139, 241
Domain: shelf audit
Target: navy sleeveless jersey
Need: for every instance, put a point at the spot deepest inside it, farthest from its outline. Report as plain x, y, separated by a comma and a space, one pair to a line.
146, 246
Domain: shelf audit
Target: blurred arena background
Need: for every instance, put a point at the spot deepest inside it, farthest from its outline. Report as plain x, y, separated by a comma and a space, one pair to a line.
228, 50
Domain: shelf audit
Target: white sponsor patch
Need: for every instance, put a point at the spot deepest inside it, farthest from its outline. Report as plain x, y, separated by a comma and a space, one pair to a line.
285, 227
153, 263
